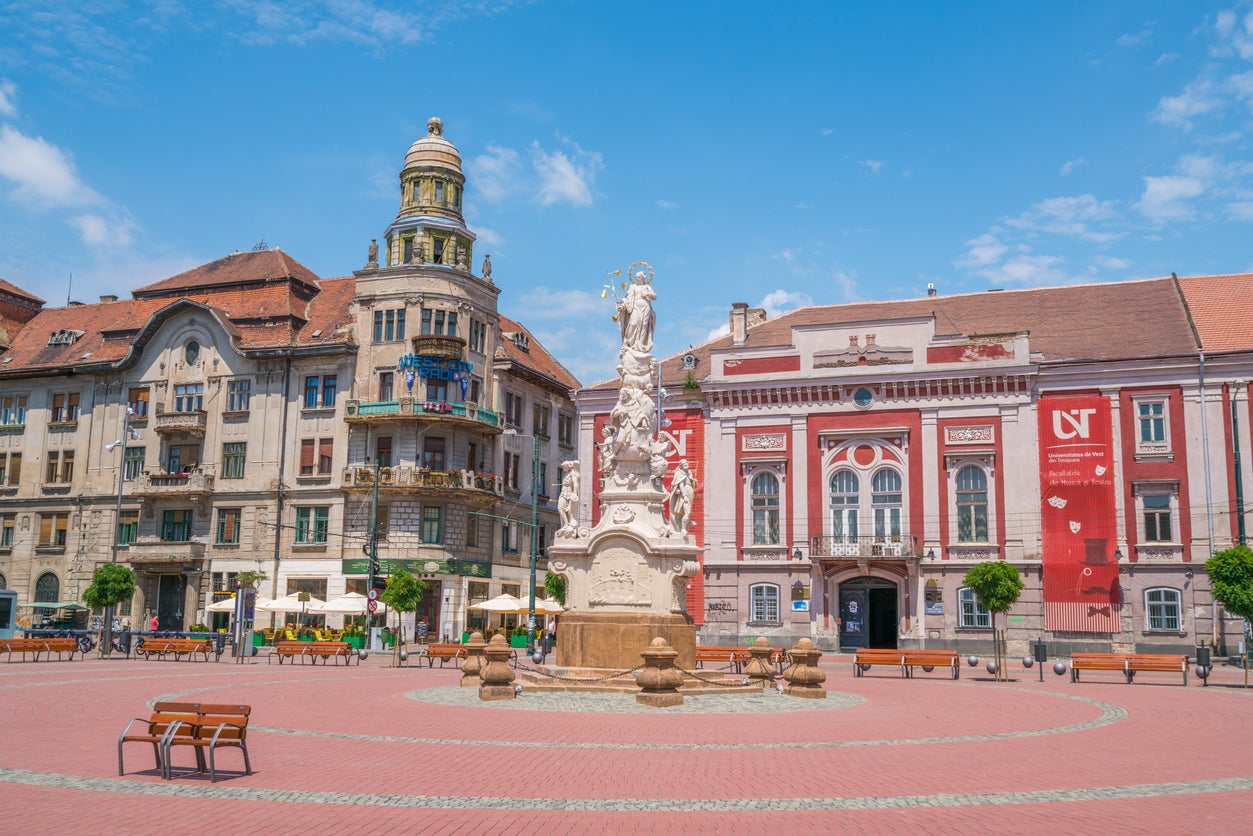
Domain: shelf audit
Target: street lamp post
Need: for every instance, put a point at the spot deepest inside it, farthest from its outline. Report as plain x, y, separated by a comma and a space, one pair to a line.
530, 607
117, 517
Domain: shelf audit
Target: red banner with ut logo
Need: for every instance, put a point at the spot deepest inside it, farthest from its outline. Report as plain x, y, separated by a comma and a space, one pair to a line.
1078, 515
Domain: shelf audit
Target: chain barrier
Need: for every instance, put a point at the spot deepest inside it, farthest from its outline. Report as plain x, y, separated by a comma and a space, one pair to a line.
616, 675
740, 684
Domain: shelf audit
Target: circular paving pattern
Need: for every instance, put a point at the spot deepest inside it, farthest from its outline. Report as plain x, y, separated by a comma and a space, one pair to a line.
883, 754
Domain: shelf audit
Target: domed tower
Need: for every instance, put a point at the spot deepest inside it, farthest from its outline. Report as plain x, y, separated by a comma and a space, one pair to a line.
429, 228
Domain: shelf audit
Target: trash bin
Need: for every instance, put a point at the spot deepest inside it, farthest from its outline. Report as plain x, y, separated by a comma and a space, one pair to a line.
376, 638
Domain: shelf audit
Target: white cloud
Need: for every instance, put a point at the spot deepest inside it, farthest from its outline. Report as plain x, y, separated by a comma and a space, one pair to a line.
8, 98
874, 165
1241, 210
1197, 99
786, 255
982, 251
1110, 263
1129, 40
781, 301
1071, 216
44, 174
1239, 32
1166, 198
565, 179
545, 303
1027, 270
667, 205
487, 235
98, 231
721, 331
1165, 58
495, 172
1071, 165
845, 285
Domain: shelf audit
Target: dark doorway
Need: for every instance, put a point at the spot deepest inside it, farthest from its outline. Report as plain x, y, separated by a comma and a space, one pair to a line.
428, 609
170, 602
867, 613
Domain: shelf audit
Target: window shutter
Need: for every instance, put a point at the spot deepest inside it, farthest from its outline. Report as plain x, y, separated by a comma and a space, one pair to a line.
306, 455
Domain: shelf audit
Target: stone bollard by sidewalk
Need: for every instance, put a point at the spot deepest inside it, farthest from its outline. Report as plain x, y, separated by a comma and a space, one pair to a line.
497, 676
759, 670
473, 663
803, 677
660, 679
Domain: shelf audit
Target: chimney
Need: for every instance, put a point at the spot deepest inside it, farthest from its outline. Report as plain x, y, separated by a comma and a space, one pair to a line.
869, 340
852, 341
756, 316
930, 288
739, 323
108, 297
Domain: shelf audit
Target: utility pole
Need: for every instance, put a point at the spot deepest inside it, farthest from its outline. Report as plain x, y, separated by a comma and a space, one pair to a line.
373, 547
530, 609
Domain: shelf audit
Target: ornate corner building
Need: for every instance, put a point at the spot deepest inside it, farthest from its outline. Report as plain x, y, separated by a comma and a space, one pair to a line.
856, 460
248, 415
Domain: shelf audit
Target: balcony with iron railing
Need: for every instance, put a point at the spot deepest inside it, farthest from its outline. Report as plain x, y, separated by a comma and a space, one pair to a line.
193, 422
194, 482
463, 482
462, 412
873, 547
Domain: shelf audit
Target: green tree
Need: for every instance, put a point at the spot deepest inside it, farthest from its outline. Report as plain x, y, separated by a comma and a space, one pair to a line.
1231, 583
250, 578
111, 584
996, 585
403, 594
555, 587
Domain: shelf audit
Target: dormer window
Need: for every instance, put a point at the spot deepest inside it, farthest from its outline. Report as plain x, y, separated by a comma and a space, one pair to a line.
522, 341
65, 337
689, 361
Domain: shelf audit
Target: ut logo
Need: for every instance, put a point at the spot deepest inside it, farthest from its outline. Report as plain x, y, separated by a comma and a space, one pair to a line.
1076, 418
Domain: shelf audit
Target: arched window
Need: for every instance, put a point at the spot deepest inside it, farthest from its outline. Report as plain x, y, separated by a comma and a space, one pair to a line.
1161, 609
765, 489
885, 498
192, 352
763, 602
972, 505
47, 588
972, 615
844, 499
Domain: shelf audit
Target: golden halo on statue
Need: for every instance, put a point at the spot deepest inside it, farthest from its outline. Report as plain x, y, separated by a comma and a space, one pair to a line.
631, 271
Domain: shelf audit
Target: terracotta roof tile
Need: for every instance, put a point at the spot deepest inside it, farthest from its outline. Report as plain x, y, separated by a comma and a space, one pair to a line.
326, 315
257, 266
17, 291
1220, 307
537, 358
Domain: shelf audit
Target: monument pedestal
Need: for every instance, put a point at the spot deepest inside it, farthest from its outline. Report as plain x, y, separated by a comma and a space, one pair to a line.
614, 640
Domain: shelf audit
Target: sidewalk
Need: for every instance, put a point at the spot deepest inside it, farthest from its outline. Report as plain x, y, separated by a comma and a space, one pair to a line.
372, 749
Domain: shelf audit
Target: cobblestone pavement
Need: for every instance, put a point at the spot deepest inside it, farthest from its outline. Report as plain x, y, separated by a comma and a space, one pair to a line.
373, 749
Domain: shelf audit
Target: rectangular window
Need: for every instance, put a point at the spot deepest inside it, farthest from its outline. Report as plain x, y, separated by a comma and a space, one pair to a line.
64, 407
316, 456
439, 322
312, 523
436, 390
542, 489
189, 397
472, 532
330, 388
472, 456
426, 321
311, 392
128, 528
11, 469
1157, 518
512, 461
509, 537
383, 451
320, 391
476, 389
182, 458
233, 455
478, 336
1152, 421
452, 323
381, 522
763, 602
386, 381
389, 326
539, 420
565, 429
53, 529
541, 546
137, 401
1162, 608
53, 465
176, 526
972, 615
60, 469
133, 463
513, 410
238, 395
228, 525
433, 453
326, 455
7, 523
13, 410
431, 529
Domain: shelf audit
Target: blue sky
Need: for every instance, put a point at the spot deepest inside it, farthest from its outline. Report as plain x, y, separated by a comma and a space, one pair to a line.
801, 153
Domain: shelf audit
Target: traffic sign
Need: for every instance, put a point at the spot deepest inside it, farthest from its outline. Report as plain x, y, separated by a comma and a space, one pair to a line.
371, 605
372, 594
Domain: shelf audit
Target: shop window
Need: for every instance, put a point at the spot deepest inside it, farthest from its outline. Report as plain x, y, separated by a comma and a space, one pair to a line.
763, 600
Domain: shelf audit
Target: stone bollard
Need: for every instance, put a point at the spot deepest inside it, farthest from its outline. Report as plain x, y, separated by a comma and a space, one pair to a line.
473, 663
803, 677
660, 679
759, 670
497, 676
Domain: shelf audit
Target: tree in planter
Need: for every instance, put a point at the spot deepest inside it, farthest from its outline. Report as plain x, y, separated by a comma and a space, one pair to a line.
555, 587
403, 594
111, 584
249, 580
996, 586
1231, 583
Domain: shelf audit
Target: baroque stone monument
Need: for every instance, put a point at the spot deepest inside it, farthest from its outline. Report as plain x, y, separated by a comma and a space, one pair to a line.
626, 576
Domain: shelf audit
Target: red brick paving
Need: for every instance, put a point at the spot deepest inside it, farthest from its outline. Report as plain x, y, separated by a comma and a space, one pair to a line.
62, 719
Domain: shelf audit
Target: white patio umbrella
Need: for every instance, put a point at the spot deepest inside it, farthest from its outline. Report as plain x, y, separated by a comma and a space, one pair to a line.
288, 604
548, 607
350, 603
222, 605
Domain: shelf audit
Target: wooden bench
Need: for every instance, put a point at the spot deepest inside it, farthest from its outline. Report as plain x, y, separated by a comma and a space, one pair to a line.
154, 730
313, 651
1128, 664
732, 657
443, 652
36, 646
214, 726
865, 658
929, 660
178, 648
